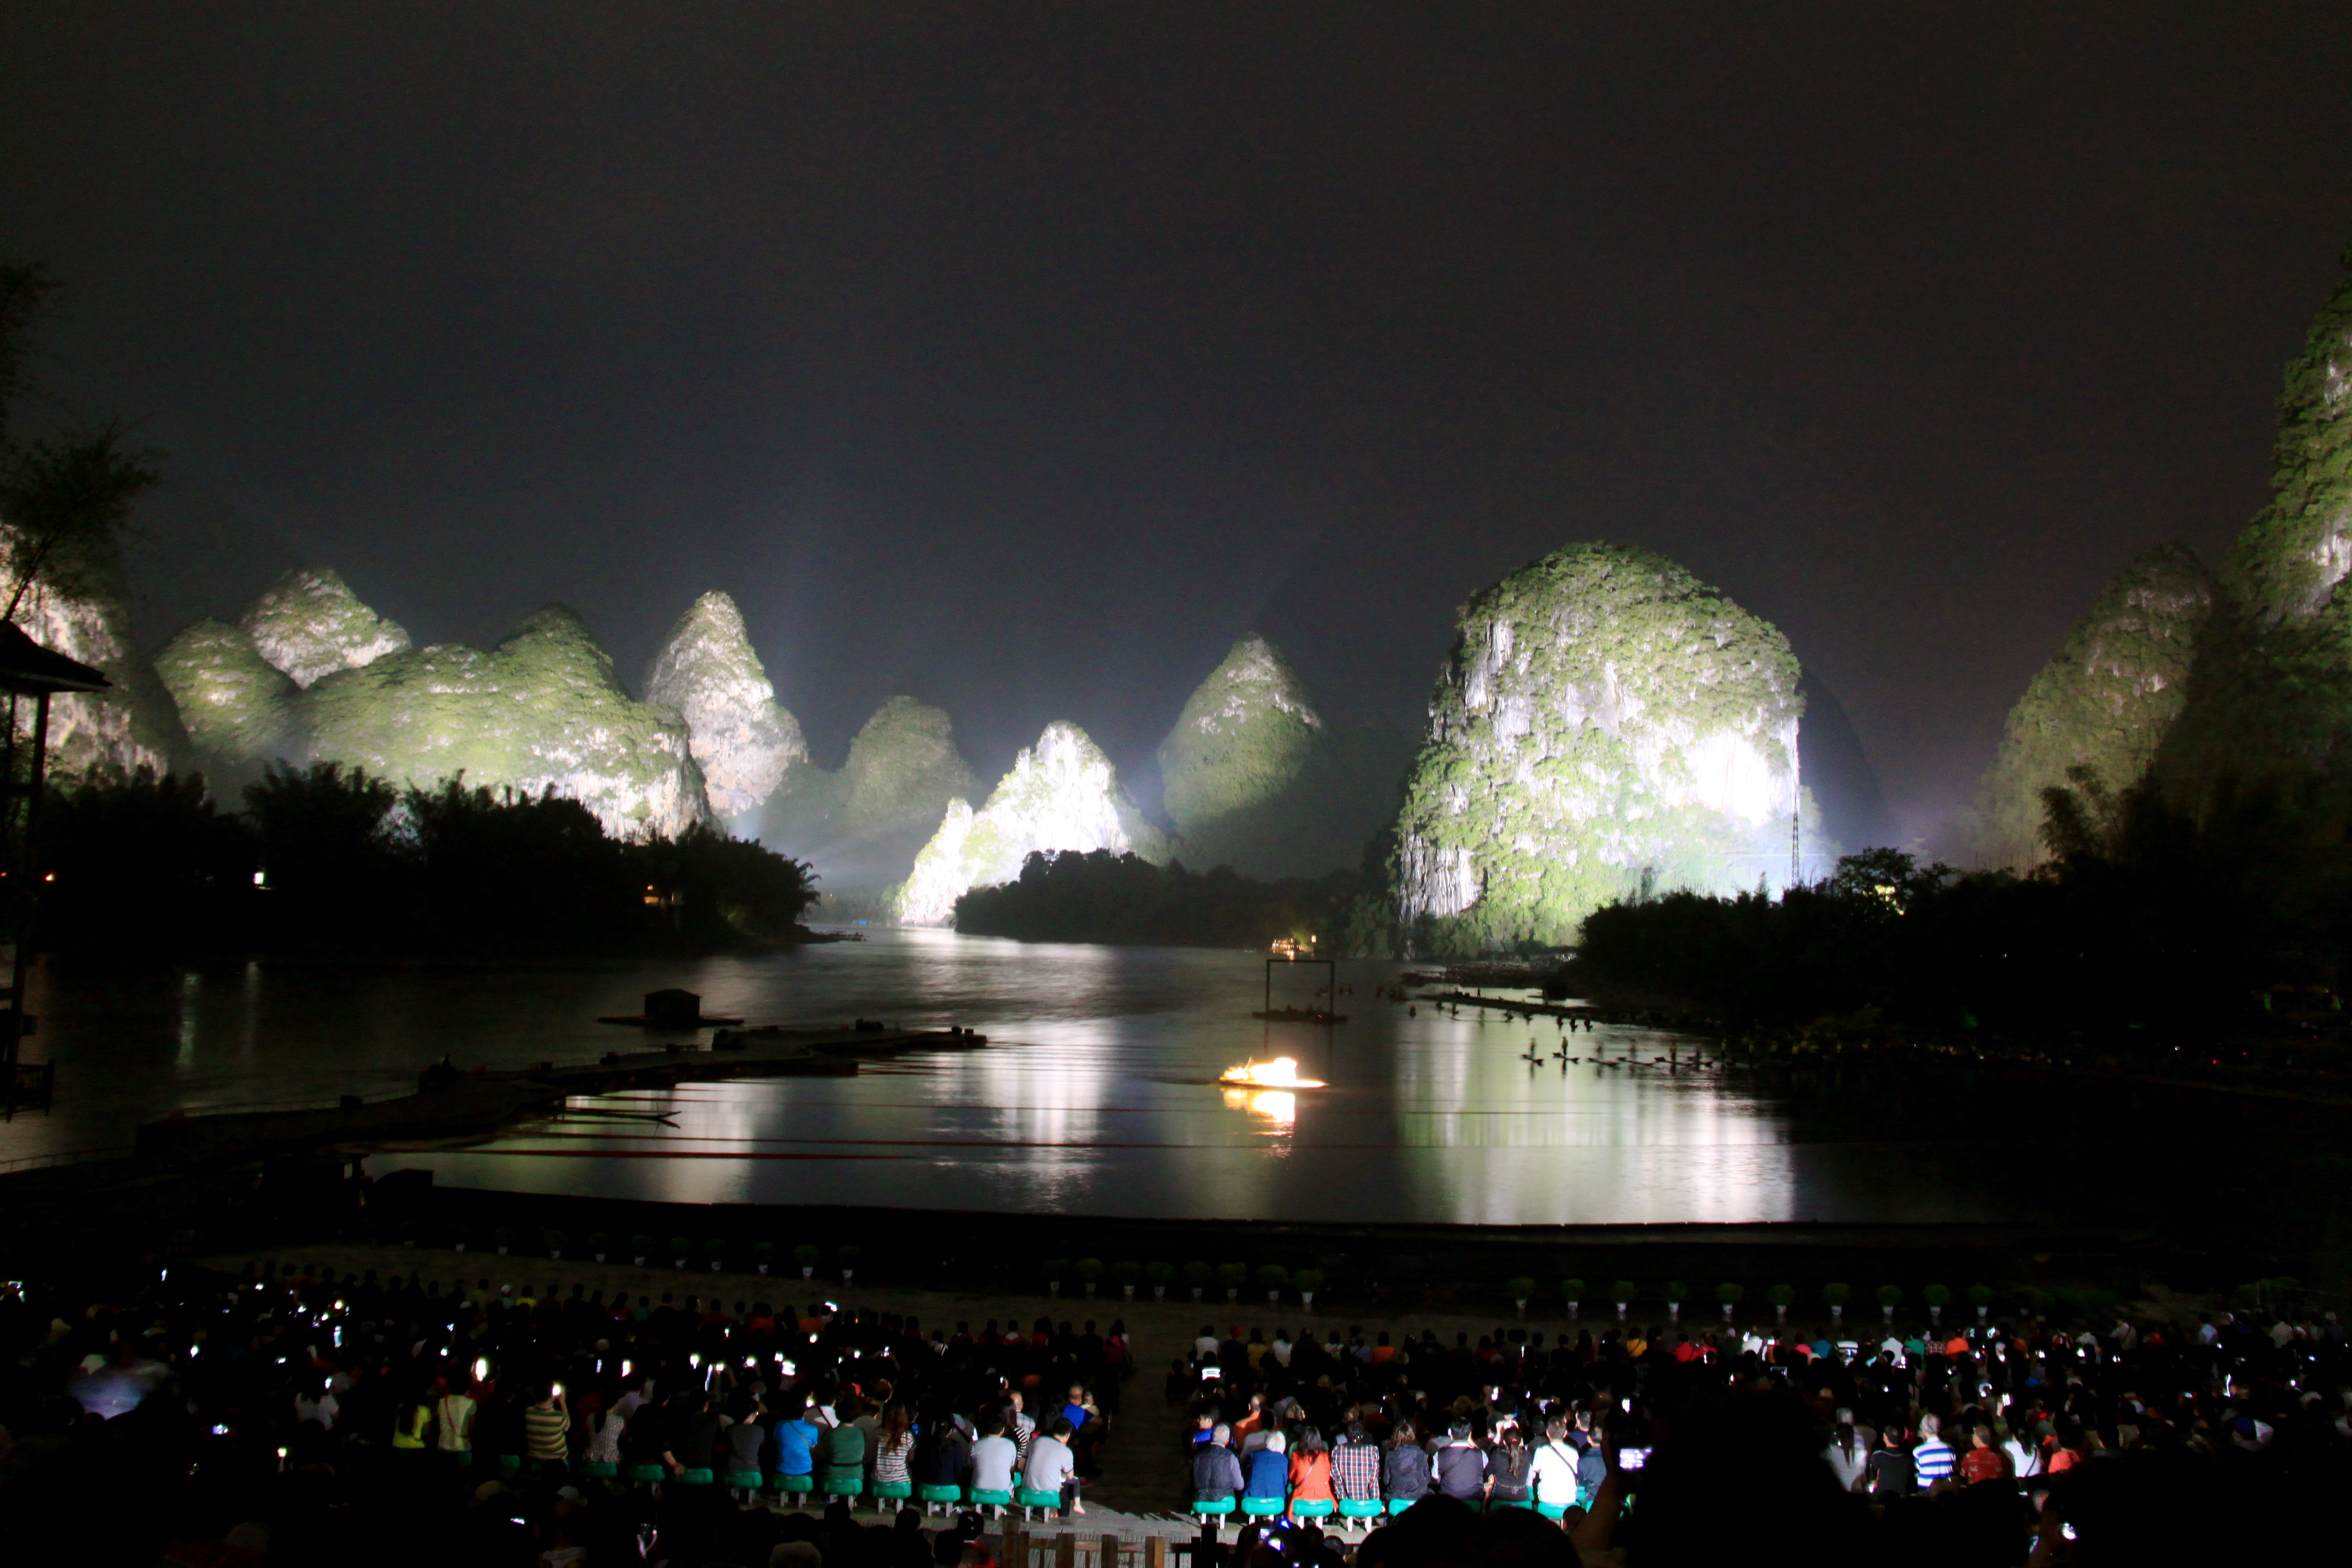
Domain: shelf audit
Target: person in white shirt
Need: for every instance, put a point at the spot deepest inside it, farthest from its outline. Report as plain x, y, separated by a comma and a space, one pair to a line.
993, 1458
1052, 1469
1281, 1347
1204, 1344
1551, 1478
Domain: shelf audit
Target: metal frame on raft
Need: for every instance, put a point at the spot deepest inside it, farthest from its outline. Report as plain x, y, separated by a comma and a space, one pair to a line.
1294, 1015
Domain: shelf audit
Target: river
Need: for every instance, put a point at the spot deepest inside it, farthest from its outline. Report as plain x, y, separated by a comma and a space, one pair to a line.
1097, 1095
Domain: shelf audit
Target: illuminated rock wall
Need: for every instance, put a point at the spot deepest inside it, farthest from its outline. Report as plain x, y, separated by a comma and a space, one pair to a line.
1607, 722
541, 710
1062, 794
743, 742
310, 624
237, 706
2105, 701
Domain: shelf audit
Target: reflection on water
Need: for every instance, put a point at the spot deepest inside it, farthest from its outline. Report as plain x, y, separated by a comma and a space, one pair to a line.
1098, 1095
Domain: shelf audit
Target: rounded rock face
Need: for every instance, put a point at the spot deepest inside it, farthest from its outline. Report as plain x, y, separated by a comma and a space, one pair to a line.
1607, 723
543, 711
237, 706
1231, 768
2105, 701
1062, 794
742, 740
310, 624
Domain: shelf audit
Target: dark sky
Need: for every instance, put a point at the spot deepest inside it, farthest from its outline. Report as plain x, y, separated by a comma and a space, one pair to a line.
1020, 358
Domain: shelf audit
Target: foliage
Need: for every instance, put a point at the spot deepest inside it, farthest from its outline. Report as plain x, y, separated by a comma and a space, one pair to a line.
2102, 702
142, 864
1069, 896
1607, 723
2289, 560
865, 824
236, 705
347, 862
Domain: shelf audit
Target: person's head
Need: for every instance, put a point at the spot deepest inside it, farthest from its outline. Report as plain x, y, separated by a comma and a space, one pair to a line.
1458, 1431
1983, 1436
1221, 1433
1061, 1428
1354, 1431
1929, 1427
991, 1424
1275, 1442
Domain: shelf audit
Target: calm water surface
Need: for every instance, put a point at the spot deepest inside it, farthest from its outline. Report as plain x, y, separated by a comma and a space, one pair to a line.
1097, 1095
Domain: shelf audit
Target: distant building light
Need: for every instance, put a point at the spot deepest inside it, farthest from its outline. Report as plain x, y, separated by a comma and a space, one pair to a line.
261, 879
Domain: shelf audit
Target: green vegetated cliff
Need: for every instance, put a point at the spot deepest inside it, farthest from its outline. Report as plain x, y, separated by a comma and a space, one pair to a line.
237, 706
743, 740
1607, 723
2271, 694
541, 711
1254, 778
863, 827
2105, 701
1061, 794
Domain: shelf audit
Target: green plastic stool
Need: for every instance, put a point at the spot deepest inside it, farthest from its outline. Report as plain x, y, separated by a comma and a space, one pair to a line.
932, 1493
600, 1469
697, 1476
1262, 1506
1029, 1497
1216, 1507
844, 1483
641, 1475
1313, 1510
796, 1486
990, 1499
886, 1493
1399, 1504
1359, 1508
743, 1481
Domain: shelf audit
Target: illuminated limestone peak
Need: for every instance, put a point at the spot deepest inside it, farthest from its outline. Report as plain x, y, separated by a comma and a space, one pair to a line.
310, 624
1607, 721
2105, 701
1062, 794
236, 705
743, 742
541, 711
2289, 561
1245, 740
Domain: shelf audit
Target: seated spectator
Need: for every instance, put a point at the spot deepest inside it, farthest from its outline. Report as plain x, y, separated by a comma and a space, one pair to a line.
1459, 1465
1268, 1468
1310, 1468
1356, 1466
1217, 1470
1052, 1468
1404, 1473
994, 1457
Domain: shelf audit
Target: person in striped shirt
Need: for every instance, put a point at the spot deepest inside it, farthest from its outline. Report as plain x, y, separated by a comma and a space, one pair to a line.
1933, 1458
545, 1424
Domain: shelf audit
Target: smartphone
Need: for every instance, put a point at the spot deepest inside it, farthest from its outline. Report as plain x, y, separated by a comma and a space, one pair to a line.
1209, 1374
1633, 1459
1626, 1406
2067, 1531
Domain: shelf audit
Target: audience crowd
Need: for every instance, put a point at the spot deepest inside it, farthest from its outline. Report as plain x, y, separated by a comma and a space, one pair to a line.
292, 1415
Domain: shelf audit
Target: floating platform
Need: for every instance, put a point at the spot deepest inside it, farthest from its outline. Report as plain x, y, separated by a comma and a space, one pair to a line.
1300, 1015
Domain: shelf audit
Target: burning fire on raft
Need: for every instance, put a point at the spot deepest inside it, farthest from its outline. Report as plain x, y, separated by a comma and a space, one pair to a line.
1280, 1073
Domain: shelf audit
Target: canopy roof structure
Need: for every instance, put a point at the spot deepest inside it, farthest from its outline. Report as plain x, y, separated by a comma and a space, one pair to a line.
30, 670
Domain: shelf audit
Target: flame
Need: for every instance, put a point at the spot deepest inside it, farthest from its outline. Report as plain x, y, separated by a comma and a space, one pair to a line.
1280, 1073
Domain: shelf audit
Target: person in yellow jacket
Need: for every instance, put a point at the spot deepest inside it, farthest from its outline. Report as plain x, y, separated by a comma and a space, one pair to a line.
411, 1426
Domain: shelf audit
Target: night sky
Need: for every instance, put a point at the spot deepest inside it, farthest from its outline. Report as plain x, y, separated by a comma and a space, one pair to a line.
1020, 358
